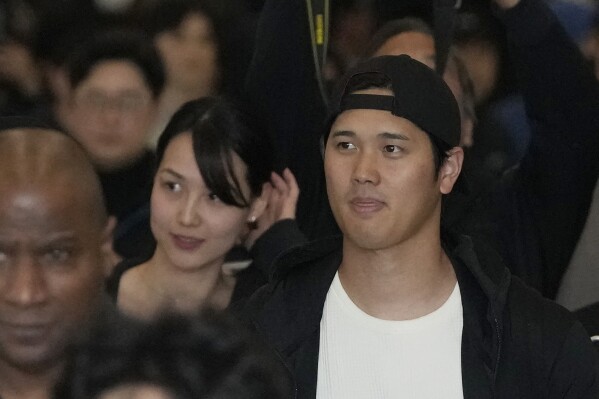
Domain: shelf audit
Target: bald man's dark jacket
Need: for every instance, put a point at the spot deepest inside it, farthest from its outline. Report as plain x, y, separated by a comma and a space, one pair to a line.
515, 344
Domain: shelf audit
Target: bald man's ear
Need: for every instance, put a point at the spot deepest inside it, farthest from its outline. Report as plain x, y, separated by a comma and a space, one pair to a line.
110, 256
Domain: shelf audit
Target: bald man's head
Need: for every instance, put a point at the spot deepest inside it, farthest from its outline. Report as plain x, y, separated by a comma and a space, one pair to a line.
55, 247
35, 157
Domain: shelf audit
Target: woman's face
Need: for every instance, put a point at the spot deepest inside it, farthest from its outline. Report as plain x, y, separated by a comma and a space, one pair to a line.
190, 56
194, 228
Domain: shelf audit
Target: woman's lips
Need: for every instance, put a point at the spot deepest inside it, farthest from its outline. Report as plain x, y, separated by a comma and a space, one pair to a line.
186, 243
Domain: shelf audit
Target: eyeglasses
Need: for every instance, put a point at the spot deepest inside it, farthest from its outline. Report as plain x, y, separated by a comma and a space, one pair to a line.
124, 103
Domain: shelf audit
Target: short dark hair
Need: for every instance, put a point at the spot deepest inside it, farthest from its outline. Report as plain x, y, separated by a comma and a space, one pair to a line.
218, 129
118, 44
209, 356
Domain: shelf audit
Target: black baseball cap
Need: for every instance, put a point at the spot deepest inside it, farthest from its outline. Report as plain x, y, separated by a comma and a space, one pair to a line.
419, 95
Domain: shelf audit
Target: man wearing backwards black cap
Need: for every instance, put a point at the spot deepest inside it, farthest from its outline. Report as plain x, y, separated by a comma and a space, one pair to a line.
392, 309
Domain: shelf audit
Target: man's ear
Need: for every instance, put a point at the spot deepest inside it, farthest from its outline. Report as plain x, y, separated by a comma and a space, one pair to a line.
110, 256
450, 170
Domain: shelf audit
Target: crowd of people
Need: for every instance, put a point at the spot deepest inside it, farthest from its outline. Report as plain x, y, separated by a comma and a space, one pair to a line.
268, 199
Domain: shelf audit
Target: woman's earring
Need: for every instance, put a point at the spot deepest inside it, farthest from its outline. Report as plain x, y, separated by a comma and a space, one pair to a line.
252, 223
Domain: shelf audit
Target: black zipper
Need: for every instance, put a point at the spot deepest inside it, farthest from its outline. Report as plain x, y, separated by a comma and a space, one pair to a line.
499, 343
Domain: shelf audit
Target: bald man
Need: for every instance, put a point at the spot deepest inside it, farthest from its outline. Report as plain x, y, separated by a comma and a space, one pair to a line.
55, 246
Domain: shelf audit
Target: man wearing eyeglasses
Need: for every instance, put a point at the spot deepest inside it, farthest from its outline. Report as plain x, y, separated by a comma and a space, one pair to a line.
116, 80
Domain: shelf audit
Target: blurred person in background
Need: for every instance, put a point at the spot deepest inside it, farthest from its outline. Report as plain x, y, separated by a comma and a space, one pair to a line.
208, 356
199, 42
115, 81
21, 80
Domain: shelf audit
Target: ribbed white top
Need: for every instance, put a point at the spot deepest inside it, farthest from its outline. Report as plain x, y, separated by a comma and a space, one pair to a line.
365, 357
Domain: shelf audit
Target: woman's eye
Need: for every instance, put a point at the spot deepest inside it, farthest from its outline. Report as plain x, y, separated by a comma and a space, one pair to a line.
344, 145
172, 186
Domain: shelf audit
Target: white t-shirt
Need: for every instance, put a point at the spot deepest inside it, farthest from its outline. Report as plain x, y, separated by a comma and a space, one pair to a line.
364, 357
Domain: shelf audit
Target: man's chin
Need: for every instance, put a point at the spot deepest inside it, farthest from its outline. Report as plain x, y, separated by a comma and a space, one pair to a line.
34, 360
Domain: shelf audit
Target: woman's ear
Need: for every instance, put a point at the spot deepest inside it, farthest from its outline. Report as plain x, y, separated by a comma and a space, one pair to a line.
450, 170
259, 203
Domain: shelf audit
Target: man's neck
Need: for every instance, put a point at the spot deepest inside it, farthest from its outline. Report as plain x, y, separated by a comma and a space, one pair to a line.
16, 383
404, 282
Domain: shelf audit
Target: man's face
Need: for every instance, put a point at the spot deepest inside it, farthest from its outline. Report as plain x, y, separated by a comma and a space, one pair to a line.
112, 111
381, 179
51, 271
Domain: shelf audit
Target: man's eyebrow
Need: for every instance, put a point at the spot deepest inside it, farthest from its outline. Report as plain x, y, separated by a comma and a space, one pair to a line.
62, 237
393, 136
346, 133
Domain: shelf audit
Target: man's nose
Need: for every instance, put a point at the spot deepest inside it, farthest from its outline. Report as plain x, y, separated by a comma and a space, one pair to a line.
366, 168
25, 283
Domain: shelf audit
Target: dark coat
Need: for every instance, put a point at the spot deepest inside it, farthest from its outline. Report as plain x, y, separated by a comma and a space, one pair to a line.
515, 344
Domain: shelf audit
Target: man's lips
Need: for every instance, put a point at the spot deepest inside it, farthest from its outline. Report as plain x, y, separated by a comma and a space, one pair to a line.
186, 243
28, 332
366, 205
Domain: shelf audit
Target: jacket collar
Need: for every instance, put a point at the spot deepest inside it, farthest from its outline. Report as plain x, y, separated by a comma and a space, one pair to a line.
292, 315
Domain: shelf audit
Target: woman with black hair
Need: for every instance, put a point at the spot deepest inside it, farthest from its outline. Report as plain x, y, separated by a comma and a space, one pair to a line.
213, 190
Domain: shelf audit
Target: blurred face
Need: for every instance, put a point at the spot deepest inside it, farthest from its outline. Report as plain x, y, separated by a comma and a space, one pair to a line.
111, 113
192, 226
421, 47
189, 53
136, 391
51, 272
380, 175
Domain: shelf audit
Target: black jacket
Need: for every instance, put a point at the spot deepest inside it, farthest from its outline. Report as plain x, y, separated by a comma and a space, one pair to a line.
515, 344
534, 215
127, 196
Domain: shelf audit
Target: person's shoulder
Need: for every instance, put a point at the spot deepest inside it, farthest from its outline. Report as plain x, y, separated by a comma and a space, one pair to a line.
541, 323
114, 280
303, 271
307, 258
